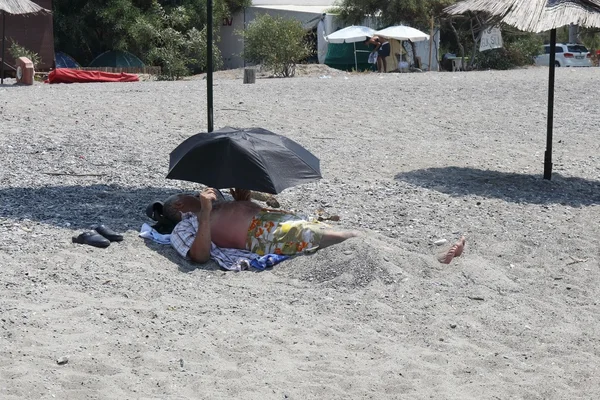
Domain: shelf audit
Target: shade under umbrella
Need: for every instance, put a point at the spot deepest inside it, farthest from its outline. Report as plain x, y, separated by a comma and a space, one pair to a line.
253, 159
15, 7
538, 16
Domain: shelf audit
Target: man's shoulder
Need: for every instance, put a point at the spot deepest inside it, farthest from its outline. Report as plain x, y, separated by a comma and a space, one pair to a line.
188, 221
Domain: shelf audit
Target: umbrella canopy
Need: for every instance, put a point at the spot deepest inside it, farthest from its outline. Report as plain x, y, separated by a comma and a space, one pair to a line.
117, 59
535, 15
538, 16
15, 7
63, 60
253, 159
351, 34
401, 32
21, 7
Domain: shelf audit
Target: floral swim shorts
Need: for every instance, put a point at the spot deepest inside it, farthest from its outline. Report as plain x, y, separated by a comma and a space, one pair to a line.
281, 233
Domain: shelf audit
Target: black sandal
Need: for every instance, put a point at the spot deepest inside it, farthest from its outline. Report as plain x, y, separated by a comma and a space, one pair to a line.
92, 239
108, 233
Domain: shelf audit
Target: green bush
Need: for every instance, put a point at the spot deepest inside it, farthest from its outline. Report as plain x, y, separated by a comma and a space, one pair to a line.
524, 49
178, 52
17, 51
518, 52
276, 43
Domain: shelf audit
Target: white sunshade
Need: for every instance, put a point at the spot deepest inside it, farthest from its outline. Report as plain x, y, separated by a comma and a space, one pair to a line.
351, 34
401, 32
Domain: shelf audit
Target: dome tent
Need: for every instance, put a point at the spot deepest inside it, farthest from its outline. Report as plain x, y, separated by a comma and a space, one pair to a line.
117, 59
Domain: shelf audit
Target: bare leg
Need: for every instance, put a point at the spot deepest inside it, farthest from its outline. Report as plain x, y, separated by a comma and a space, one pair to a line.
384, 62
334, 237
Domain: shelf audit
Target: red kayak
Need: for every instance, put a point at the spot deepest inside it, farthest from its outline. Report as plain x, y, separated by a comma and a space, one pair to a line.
65, 75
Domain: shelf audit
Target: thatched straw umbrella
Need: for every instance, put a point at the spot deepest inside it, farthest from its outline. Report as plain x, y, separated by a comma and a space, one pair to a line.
538, 16
15, 7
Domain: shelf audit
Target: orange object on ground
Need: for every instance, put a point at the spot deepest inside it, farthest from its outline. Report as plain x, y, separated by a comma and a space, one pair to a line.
65, 75
25, 71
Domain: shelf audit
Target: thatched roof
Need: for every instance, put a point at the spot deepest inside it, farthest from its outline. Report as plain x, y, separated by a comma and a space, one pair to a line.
535, 15
21, 7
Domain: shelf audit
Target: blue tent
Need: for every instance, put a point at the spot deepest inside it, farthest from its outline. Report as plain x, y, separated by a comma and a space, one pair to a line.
63, 60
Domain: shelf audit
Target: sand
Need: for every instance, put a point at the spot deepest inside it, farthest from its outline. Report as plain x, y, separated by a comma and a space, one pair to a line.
409, 159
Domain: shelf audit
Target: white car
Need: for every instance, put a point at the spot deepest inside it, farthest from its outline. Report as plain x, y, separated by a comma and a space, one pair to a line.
567, 55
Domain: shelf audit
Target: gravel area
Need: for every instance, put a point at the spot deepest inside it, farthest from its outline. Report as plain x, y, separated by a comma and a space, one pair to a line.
409, 159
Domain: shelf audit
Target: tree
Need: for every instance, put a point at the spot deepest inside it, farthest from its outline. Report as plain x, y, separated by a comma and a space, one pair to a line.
417, 12
167, 32
277, 43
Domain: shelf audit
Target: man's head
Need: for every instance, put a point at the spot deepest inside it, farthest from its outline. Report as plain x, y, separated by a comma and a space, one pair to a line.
177, 204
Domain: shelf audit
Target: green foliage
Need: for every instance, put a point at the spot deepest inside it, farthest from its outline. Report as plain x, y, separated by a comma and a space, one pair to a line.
517, 52
276, 43
178, 51
17, 51
412, 12
168, 33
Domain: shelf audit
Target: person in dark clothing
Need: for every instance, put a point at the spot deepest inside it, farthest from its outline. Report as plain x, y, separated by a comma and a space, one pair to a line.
382, 47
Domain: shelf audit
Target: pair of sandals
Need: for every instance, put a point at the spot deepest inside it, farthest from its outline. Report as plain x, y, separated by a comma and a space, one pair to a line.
101, 236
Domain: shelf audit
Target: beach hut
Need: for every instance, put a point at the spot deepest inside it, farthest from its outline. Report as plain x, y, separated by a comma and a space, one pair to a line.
29, 24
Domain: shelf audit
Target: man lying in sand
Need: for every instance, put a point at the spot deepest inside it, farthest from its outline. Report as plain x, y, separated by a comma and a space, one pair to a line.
242, 225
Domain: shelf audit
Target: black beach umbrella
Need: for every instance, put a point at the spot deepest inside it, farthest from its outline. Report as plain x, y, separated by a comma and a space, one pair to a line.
538, 16
15, 7
253, 159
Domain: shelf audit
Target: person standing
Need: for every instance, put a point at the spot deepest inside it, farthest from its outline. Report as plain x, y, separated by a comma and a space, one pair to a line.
382, 47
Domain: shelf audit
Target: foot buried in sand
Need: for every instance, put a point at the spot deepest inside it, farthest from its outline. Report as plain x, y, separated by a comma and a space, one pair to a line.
454, 251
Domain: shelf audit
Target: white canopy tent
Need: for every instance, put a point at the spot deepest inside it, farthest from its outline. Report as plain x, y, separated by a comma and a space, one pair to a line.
402, 33
351, 34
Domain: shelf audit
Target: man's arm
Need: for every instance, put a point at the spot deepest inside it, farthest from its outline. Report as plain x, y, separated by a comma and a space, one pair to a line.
200, 249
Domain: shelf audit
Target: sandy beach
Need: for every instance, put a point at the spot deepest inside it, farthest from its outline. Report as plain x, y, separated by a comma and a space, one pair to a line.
408, 159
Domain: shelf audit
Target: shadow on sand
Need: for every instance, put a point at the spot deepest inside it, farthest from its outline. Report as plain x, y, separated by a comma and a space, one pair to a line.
121, 208
515, 188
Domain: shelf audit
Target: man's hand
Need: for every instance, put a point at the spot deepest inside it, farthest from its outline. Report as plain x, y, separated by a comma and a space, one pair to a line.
207, 196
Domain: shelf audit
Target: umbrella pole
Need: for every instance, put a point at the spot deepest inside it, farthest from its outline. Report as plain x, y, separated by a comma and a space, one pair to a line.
355, 62
3, 36
548, 153
209, 63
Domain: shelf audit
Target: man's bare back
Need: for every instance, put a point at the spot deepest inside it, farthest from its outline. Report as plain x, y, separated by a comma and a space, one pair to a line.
227, 224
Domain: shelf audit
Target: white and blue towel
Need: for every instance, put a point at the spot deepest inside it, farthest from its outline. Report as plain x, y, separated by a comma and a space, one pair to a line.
229, 259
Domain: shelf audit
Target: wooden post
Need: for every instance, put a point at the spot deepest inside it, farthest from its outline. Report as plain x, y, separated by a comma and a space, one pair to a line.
249, 75
430, 42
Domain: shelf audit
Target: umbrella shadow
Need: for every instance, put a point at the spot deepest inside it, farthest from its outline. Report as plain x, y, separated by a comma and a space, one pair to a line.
78, 207
511, 187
